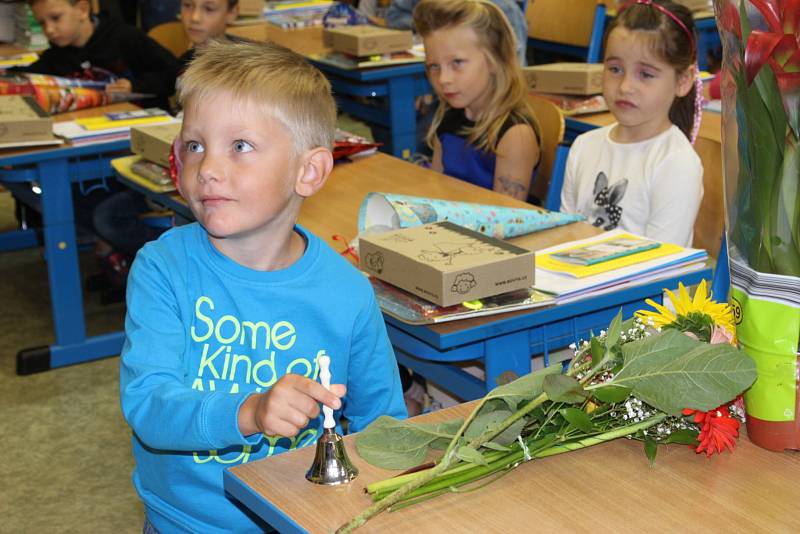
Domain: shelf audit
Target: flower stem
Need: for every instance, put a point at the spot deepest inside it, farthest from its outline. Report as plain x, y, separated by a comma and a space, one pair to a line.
448, 457
467, 473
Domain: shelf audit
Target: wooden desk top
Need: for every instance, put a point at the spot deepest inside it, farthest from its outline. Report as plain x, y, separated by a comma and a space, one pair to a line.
605, 488
334, 210
710, 126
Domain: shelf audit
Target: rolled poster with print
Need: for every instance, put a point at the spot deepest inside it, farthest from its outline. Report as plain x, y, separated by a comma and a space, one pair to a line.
381, 212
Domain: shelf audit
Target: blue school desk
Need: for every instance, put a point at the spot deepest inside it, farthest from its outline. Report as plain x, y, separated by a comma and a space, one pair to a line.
55, 170
399, 85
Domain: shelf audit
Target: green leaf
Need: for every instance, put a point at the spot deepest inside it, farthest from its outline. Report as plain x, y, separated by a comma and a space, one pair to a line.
578, 418
394, 444
614, 330
524, 388
510, 434
611, 394
671, 371
496, 446
473, 456
683, 436
563, 388
650, 450
484, 421
598, 351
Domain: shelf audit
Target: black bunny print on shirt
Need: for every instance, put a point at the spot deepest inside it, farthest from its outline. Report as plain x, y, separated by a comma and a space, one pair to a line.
606, 211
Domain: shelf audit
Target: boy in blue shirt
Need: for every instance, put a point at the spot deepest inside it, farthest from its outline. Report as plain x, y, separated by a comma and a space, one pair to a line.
228, 316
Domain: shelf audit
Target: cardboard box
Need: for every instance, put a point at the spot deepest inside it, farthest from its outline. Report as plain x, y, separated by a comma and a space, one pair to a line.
366, 40
251, 8
153, 141
21, 120
566, 78
445, 263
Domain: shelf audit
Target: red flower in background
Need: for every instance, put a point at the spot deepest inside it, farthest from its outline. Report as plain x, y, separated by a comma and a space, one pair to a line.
718, 430
779, 47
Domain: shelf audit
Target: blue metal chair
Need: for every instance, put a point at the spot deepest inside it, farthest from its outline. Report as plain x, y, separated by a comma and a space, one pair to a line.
553, 200
569, 27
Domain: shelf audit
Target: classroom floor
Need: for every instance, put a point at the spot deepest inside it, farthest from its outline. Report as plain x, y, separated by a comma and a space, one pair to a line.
65, 459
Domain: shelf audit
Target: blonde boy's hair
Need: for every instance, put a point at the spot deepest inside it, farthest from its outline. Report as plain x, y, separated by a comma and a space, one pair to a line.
291, 90
496, 38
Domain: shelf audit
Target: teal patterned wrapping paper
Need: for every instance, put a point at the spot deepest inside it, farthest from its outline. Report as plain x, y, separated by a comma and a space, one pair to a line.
387, 211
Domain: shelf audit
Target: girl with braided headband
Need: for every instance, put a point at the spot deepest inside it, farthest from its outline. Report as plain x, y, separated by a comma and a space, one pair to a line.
641, 173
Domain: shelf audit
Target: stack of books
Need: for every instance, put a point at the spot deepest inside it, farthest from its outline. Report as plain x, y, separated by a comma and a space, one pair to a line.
24, 123
7, 22
108, 127
153, 143
609, 262
286, 14
27, 32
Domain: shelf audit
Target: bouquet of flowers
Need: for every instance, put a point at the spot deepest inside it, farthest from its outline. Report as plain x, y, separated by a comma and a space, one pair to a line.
661, 377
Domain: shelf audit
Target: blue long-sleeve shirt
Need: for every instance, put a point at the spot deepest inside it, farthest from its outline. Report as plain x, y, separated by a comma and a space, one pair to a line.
204, 332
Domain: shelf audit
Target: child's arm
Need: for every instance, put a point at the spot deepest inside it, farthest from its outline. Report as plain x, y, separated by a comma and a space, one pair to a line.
46, 64
287, 407
154, 67
374, 387
120, 85
517, 155
157, 399
675, 195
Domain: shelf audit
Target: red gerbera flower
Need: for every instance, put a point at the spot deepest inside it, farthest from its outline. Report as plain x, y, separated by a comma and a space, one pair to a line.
718, 430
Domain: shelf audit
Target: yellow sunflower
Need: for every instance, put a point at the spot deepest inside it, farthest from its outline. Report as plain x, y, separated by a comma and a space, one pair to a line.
721, 313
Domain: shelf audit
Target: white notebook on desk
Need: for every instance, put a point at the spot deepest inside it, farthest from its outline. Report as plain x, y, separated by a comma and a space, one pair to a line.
567, 287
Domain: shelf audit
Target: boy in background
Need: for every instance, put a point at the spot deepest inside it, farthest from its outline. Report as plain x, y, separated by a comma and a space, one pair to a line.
204, 20
82, 46
228, 316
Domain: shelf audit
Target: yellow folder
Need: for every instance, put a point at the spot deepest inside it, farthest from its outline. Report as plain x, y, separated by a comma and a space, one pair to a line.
546, 261
102, 123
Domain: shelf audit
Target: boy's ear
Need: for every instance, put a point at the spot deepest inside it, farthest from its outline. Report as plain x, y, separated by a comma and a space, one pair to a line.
84, 7
233, 14
685, 82
316, 165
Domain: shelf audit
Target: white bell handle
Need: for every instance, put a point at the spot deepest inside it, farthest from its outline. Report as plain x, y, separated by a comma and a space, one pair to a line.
325, 378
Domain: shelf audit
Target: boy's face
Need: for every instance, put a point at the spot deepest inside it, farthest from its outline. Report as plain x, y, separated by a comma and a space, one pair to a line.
206, 19
239, 170
61, 21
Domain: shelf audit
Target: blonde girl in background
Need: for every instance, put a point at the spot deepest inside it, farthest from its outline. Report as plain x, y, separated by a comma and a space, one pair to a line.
484, 130
641, 174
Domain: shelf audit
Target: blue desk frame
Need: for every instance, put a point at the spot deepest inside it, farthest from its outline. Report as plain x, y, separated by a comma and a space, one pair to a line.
400, 85
55, 170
